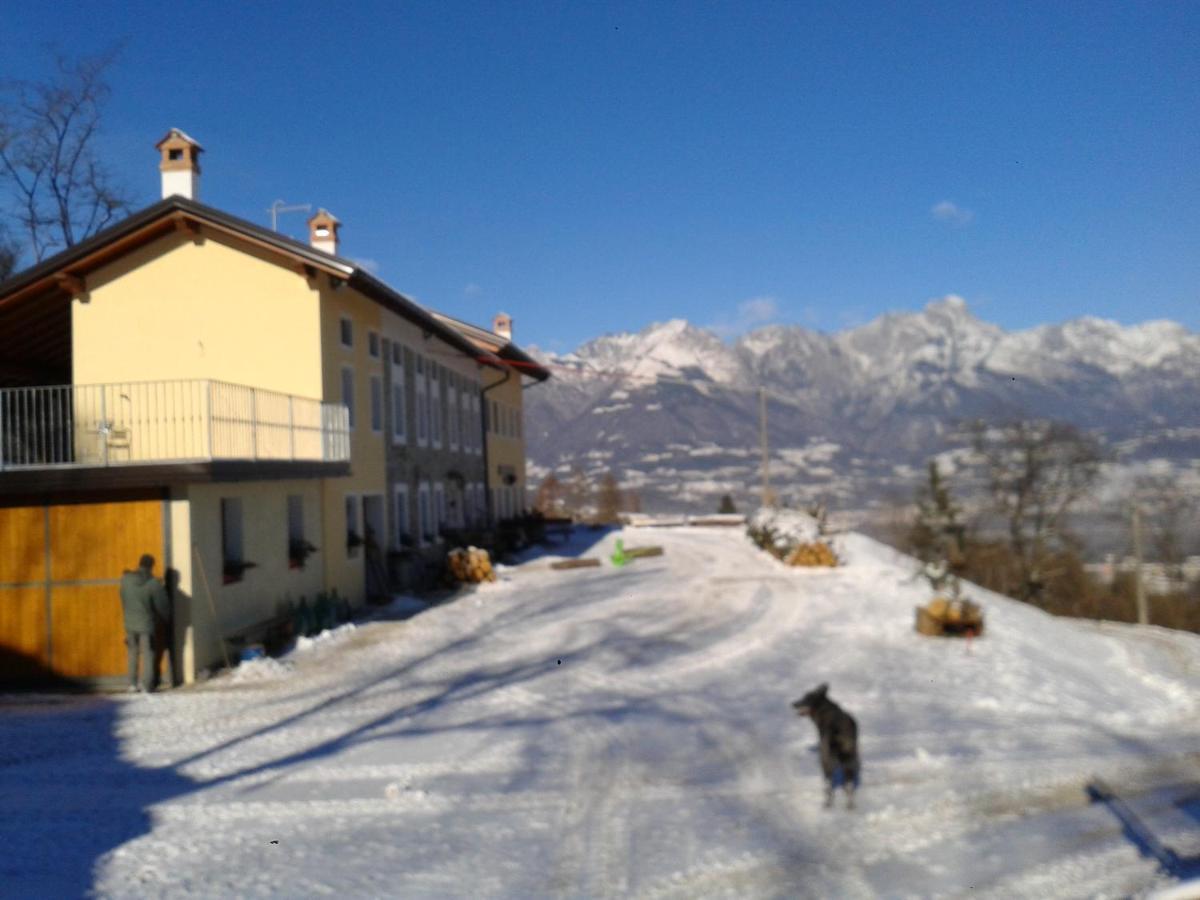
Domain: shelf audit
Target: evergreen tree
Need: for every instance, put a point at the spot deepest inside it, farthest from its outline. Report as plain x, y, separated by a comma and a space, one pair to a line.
727, 505
938, 536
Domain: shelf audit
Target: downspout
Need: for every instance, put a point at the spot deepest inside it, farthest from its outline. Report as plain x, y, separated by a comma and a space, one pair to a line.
483, 415
525, 433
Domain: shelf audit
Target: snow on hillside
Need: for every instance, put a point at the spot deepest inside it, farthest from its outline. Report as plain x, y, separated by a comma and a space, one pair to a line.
625, 732
892, 392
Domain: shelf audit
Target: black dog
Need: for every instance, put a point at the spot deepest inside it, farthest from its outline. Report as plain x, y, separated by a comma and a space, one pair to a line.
839, 742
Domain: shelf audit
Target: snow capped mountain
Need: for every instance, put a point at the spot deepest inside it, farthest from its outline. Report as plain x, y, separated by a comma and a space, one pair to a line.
673, 409
673, 349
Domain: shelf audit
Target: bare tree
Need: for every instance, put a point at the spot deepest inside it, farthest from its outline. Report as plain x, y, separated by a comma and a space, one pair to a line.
549, 498
608, 500
55, 188
578, 494
8, 254
1169, 512
1036, 472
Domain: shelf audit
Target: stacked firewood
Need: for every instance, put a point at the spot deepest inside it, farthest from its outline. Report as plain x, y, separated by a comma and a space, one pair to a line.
951, 617
814, 554
470, 565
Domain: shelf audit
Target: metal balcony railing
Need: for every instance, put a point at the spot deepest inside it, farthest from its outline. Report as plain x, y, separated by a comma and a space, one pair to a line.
154, 422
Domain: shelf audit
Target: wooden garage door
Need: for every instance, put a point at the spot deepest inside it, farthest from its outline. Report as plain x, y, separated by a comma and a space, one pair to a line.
60, 567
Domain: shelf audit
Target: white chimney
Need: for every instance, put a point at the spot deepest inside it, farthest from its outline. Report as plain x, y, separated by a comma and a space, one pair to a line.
502, 325
180, 165
323, 231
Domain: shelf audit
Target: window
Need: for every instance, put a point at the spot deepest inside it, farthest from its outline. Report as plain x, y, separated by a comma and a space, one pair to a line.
476, 425
373, 344
399, 406
518, 426
480, 505
232, 561
464, 425
353, 527
422, 406
452, 418
376, 403
295, 528
348, 391
298, 547
493, 420
403, 528
424, 519
397, 354
439, 508
347, 332
374, 514
435, 408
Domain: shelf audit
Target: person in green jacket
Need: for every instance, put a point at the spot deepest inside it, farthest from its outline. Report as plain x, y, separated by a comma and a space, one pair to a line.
144, 603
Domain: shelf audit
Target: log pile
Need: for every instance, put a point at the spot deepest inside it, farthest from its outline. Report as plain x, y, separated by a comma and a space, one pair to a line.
584, 563
950, 617
814, 554
470, 565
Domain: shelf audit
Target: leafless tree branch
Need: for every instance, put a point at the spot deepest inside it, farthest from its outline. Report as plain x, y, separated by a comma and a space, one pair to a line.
54, 189
1036, 471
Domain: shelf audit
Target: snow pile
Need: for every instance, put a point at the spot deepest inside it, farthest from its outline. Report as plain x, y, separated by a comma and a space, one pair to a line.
784, 528
261, 668
328, 636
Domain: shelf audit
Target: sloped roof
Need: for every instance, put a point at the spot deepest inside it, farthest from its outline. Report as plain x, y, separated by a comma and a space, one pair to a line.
513, 355
42, 284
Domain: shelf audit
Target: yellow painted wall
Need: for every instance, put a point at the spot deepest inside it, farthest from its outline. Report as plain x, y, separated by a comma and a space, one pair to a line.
265, 542
368, 467
504, 450
177, 309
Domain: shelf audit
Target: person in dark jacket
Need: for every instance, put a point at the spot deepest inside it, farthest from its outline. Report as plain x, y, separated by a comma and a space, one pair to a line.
144, 603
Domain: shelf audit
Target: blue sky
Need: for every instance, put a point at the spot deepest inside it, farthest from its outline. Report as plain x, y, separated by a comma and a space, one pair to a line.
594, 167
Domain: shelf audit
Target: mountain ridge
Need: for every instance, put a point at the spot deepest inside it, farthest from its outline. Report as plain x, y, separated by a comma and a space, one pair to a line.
672, 408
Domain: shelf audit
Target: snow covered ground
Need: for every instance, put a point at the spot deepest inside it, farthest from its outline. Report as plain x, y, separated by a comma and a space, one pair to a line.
625, 731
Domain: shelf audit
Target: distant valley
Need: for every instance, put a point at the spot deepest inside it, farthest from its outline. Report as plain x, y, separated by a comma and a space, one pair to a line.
672, 410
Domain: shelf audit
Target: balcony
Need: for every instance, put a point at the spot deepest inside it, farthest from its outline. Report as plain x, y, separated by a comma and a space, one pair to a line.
156, 423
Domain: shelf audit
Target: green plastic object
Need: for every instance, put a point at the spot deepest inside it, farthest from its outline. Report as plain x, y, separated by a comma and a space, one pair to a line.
619, 558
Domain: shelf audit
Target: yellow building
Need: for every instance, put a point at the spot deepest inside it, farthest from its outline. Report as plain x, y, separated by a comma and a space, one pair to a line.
255, 412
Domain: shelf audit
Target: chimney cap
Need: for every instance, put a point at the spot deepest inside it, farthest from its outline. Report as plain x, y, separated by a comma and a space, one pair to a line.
322, 217
178, 136
180, 153
502, 325
323, 230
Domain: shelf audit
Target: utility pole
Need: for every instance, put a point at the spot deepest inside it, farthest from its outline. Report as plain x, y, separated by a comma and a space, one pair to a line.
767, 499
1143, 611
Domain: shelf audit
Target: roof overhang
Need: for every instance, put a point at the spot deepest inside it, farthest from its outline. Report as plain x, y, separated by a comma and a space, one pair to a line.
38, 299
512, 355
30, 484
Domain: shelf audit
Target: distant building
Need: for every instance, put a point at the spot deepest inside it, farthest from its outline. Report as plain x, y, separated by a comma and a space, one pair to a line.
504, 413
1156, 577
